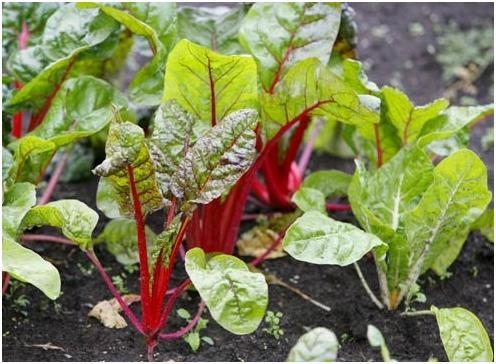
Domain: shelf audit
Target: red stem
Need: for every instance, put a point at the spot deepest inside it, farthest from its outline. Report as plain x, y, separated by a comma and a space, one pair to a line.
188, 327
142, 249
40, 237
378, 145
5, 281
336, 207
38, 118
307, 151
270, 249
130, 315
170, 303
18, 117
260, 191
295, 145
54, 180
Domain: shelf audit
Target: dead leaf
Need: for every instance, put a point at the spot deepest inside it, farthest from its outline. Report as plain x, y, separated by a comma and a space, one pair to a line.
256, 241
47, 346
107, 312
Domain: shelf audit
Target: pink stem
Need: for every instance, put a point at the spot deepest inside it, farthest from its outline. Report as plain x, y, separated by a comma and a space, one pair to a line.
269, 250
170, 302
130, 315
55, 239
307, 151
336, 207
188, 327
54, 180
5, 282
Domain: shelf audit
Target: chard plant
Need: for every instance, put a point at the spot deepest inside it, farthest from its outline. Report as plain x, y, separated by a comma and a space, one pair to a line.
416, 213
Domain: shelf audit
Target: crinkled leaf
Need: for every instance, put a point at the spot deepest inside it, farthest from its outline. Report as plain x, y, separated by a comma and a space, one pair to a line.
27, 266
408, 119
218, 159
330, 183
76, 220
174, 131
316, 238
17, 201
235, 297
452, 121
310, 88
309, 199
83, 107
106, 200
280, 35
208, 84
317, 345
7, 162
31, 154
164, 242
354, 75
485, 224
463, 335
457, 196
120, 238
68, 33
452, 249
125, 148
213, 27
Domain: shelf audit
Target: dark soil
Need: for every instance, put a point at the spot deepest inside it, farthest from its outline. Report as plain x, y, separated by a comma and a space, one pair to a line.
64, 323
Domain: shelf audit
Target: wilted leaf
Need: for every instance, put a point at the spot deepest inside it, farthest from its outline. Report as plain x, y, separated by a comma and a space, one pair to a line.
256, 241
107, 312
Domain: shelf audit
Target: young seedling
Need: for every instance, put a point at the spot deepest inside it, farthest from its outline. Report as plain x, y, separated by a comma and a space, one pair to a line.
273, 320
193, 338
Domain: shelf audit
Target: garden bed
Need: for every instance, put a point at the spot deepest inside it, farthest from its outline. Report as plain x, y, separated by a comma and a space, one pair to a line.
69, 335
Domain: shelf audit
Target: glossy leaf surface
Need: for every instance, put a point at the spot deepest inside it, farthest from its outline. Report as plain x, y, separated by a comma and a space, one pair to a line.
330, 183
309, 199
317, 345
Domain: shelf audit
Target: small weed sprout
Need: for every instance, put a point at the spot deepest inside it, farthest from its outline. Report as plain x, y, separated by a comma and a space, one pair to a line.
86, 269
193, 338
118, 281
273, 320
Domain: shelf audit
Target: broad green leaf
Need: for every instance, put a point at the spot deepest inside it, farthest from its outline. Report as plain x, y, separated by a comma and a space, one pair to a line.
127, 152
235, 297
69, 34
83, 107
448, 146
280, 35
217, 160
310, 88
208, 84
408, 119
147, 86
317, 345
17, 201
120, 238
316, 238
174, 132
452, 121
213, 27
457, 196
485, 224
392, 190
452, 249
106, 201
76, 220
354, 75
309, 199
330, 183
463, 335
27, 266
31, 155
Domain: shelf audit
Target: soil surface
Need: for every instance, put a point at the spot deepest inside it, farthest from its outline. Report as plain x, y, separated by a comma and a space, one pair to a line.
72, 336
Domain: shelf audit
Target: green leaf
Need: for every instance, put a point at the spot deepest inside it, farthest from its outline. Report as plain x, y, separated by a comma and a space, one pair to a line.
452, 121
31, 155
407, 119
213, 27
463, 335
69, 34
455, 199
76, 220
147, 86
316, 238
452, 249
105, 199
377, 340
235, 297
317, 345
27, 266
280, 35
83, 107
217, 160
355, 76
208, 84
174, 132
310, 88
331, 183
485, 224
125, 148
7, 162
17, 201
120, 238
309, 199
